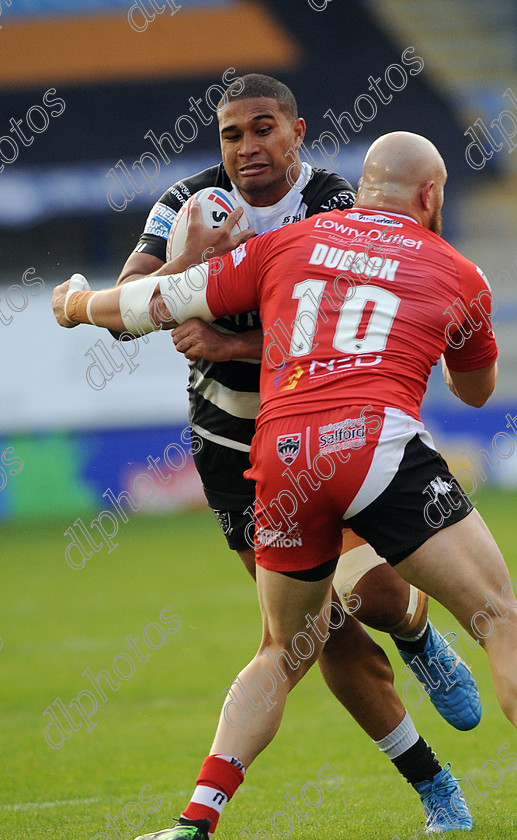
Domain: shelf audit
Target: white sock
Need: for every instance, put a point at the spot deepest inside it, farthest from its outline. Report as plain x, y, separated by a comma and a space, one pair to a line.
400, 739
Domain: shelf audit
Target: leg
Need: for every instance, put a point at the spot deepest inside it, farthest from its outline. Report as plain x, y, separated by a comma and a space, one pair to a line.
276, 668
356, 670
462, 567
387, 606
371, 590
265, 683
359, 674
248, 558
374, 594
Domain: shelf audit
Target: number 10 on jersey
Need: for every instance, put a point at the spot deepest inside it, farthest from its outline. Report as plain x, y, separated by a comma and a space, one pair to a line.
364, 323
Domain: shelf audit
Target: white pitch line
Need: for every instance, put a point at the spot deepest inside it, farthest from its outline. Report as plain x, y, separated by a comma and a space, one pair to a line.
29, 806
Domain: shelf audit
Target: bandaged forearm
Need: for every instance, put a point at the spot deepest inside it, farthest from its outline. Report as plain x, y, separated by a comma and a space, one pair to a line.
181, 296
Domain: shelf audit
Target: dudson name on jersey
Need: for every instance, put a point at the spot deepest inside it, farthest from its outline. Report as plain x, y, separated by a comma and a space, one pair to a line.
359, 262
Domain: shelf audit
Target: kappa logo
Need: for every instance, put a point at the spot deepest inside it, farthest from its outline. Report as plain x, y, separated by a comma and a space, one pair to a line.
288, 447
440, 487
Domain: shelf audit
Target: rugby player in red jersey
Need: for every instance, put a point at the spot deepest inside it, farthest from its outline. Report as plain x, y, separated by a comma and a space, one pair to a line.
343, 297
260, 135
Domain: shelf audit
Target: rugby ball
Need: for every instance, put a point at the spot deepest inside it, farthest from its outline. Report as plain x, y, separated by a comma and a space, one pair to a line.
216, 206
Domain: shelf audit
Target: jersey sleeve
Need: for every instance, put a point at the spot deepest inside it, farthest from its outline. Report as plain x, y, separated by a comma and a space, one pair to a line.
155, 234
471, 340
342, 200
233, 280
328, 191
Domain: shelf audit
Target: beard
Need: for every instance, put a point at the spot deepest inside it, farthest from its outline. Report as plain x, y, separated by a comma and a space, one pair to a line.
435, 224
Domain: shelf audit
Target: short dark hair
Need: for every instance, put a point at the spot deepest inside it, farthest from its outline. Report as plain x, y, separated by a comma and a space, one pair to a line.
255, 85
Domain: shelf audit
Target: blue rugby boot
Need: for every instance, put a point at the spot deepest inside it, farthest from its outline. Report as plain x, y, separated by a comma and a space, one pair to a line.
447, 680
444, 803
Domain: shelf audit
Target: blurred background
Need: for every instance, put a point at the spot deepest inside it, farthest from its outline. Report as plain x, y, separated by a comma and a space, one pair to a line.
93, 90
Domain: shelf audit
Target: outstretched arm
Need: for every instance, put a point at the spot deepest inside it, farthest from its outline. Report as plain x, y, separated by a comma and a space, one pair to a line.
140, 307
103, 309
198, 339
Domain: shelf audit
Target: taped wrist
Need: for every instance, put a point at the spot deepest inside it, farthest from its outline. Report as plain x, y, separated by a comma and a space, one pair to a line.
77, 307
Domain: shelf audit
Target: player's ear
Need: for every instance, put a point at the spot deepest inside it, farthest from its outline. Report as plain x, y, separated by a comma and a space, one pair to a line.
299, 129
426, 194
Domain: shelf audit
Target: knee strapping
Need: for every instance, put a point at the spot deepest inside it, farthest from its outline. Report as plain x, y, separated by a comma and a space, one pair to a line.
417, 606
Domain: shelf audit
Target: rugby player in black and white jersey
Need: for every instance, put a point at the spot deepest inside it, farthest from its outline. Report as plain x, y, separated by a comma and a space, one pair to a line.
261, 134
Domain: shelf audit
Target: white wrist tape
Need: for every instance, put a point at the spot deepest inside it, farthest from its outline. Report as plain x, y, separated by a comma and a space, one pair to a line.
89, 311
134, 303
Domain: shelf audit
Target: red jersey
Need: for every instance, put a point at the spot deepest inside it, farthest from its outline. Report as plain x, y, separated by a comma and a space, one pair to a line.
356, 306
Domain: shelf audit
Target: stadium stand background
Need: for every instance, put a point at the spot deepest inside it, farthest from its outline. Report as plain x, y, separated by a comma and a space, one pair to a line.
82, 423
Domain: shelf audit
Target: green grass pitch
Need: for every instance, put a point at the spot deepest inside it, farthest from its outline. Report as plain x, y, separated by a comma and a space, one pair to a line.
152, 732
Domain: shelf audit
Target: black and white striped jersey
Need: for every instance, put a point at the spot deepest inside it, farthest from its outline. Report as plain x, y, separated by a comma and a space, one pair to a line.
224, 396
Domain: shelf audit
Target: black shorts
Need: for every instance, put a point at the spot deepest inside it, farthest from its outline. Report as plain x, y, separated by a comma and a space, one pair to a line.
228, 493
238, 528
422, 498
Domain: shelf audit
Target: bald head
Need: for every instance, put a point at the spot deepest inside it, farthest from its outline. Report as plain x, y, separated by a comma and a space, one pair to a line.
404, 173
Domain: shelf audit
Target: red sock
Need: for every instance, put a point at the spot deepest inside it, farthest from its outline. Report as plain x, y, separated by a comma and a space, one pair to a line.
217, 782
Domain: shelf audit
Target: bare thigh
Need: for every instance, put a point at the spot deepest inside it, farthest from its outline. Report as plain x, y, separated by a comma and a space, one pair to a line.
286, 604
461, 566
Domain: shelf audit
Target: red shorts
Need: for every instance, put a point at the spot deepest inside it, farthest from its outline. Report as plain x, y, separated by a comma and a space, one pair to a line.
314, 471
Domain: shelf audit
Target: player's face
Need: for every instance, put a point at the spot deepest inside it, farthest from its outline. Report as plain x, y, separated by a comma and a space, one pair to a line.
258, 144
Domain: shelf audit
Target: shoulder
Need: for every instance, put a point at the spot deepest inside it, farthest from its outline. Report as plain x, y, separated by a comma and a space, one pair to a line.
468, 272
180, 192
327, 191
